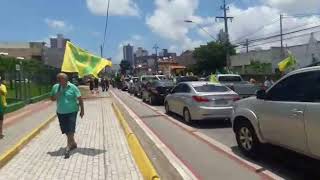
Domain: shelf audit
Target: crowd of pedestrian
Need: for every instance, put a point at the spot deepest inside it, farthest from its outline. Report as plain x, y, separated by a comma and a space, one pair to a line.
95, 83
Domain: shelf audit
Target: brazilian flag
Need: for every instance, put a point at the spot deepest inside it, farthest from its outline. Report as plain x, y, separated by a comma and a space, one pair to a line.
82, 62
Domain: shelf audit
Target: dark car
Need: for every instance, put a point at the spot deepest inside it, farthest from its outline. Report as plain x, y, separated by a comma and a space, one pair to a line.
156, 91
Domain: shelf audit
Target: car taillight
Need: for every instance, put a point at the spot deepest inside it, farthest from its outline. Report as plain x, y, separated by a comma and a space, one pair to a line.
200, 99
236, 98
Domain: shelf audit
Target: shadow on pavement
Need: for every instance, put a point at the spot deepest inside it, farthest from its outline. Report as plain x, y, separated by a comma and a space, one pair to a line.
83, 151
205, 124
285, 163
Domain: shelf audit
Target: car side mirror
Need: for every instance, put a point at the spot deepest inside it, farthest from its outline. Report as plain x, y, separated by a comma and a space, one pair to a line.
261, 94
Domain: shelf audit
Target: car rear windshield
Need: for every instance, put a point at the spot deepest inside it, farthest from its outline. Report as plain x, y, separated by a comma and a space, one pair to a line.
149, 78
165, 83
230, 79
210, 88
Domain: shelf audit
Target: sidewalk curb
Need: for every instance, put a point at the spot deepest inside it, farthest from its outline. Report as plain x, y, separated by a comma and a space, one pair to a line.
146, 168
9, 154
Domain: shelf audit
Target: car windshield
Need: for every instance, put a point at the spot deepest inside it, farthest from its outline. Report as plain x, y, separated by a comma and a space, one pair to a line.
230, 79
210, 88
165, 83
162, 77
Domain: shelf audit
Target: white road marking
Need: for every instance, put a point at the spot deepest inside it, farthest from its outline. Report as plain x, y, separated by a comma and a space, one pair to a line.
173, 159
215, 143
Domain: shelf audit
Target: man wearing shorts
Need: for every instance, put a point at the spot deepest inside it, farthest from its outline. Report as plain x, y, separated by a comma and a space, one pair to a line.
68, 99
3, 105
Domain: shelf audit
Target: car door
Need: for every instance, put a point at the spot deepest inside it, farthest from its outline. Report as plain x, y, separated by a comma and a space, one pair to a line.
181, 98
172, 98
281, 114
312, 113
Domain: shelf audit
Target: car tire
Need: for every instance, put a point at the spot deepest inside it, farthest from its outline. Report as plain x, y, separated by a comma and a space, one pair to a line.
167, 108
152, 100
187, 116
247, 139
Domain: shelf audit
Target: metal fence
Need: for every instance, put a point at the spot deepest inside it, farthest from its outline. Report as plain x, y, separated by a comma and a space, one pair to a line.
24, 85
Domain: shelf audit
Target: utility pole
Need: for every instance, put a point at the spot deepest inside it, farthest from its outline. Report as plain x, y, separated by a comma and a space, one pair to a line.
225, 17
281, 36
247, 45
101, 51
156, 47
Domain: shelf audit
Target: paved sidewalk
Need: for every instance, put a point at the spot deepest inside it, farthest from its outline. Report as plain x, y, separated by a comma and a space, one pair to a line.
102, 153
19, 124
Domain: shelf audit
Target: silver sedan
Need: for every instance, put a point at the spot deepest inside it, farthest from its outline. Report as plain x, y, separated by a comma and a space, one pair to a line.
201, 100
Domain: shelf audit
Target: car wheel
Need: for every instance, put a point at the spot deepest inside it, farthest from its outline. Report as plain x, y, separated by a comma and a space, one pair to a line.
152, 100
167, 108
247, 139
187, 116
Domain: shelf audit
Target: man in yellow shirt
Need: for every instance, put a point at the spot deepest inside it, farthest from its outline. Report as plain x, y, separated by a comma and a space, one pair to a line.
3, 105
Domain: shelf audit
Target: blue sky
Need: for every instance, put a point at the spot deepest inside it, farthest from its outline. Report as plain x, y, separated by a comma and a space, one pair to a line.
141, 22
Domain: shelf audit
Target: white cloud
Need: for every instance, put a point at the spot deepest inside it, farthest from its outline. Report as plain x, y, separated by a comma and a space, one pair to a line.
168, 21
117, 7
58, 24
248, 22
295, 6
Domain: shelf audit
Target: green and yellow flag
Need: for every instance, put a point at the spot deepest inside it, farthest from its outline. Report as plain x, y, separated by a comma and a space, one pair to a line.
285, 64
82, 62
213, 78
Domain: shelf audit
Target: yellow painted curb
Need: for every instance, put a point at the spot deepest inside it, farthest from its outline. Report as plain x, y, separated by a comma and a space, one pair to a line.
8, 155
146, 168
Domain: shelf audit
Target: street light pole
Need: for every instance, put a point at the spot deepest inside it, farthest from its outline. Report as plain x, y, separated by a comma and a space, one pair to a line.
200, 27
156, 47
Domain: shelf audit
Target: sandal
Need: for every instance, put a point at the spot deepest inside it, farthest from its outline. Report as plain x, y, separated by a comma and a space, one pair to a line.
74, 146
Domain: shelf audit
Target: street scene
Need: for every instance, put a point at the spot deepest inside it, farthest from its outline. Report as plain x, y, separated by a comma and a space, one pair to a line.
162, 89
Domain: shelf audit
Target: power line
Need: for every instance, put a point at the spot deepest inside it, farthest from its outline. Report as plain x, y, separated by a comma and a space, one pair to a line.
105, 28
257, 30
288, 38
278, 35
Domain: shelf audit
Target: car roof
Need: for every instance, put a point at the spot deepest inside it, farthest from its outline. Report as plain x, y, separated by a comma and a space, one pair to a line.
228, 75
302, 70
199, 83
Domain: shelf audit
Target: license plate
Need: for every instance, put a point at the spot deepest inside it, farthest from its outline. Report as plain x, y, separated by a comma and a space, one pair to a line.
221, 101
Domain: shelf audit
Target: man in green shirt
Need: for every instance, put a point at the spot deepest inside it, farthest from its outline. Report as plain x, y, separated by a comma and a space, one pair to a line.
68, 99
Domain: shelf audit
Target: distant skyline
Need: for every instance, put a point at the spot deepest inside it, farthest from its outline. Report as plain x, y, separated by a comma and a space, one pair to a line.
143, 23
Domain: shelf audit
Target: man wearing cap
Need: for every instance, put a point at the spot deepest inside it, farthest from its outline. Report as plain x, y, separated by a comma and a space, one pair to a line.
68, 99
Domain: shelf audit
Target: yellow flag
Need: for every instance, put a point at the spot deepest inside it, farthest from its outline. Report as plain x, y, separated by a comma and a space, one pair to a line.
82, 62
287, 63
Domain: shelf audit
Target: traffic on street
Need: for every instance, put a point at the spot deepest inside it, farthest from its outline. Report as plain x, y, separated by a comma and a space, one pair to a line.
281, 140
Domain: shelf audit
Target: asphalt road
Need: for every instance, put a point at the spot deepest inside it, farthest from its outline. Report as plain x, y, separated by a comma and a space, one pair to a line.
284, 163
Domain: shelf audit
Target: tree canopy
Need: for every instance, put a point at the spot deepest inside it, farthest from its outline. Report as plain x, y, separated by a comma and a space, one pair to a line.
124, 66
211, 57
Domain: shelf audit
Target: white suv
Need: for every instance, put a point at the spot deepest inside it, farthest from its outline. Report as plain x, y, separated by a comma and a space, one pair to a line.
287, 115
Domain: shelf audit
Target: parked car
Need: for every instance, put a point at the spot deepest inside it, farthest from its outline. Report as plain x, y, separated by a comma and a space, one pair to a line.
125, 84
156, 91
236, 83
201, 100
285, 115
143, 80
133, 82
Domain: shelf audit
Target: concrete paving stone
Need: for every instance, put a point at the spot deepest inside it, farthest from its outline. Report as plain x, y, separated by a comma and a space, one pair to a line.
102, 150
